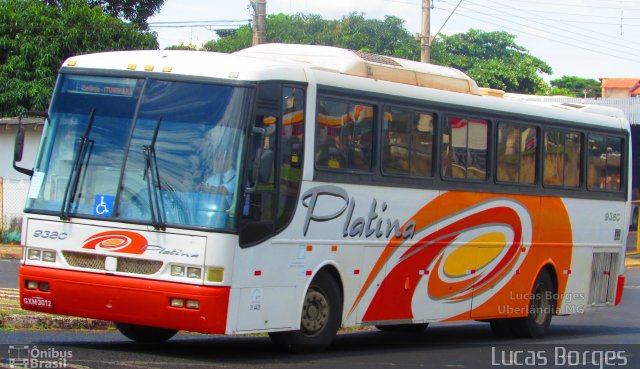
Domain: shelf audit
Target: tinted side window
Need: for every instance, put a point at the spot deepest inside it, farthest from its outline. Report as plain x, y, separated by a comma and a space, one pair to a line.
562, 158
464, 148
516, 153
344, 135
604, 163
408, 142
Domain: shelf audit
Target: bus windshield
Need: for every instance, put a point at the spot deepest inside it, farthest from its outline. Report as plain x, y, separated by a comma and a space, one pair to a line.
148, 151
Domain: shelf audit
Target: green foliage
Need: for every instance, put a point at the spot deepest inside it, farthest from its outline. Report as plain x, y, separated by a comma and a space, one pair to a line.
493, 59
35, 38
135, 11
388, 37
555, 91
576, 86
182, 46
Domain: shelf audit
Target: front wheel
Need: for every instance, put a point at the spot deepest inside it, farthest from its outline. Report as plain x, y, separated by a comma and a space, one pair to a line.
144, 334
541, 308
320, 320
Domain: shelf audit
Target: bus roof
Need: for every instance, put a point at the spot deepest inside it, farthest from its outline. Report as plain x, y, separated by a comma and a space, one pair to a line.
346, 69
190, 63
368, 65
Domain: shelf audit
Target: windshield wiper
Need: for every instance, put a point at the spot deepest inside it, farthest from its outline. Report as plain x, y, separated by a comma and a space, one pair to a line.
152, 177
86, 146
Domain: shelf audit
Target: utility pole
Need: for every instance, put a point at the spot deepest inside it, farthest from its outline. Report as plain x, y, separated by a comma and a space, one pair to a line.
425, 32
259, 21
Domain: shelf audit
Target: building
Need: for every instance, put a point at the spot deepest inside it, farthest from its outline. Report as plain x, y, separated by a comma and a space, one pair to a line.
620, 87
14, 185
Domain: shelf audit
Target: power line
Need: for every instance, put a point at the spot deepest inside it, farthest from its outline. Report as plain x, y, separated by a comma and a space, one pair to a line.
580, 4
548, 27
556, 40
201, 21
571, 32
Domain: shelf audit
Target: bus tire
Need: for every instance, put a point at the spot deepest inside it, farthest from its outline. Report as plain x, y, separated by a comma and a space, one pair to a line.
320, 319
144, 334
404, 328
540, 309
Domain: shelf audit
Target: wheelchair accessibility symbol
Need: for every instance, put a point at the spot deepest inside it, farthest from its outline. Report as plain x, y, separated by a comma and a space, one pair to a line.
103, 205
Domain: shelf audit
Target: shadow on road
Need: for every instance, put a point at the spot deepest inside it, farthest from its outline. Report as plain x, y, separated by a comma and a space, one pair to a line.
246, 351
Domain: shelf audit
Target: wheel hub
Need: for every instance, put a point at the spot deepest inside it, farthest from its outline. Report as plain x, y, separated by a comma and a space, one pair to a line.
315, 312
541, 305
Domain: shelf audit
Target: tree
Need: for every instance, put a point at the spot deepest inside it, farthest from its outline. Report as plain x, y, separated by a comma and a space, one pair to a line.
388, 37
182, 46
35, 38
576, 86
135, 11
493, 59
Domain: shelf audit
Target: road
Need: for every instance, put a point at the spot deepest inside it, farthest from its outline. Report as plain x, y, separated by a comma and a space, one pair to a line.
599, 339
611, 334
8, 273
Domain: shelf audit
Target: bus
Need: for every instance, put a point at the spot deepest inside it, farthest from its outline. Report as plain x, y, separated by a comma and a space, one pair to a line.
295, 189
635, 185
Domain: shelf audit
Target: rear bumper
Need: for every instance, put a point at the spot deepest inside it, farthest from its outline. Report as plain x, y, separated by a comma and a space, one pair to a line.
125, 300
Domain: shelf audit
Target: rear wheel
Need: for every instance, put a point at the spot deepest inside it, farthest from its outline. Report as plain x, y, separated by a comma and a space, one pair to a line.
144, 334
406, 328
541, 307
320, 320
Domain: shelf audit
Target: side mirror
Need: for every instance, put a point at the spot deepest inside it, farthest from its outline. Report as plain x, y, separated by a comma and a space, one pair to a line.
18, 148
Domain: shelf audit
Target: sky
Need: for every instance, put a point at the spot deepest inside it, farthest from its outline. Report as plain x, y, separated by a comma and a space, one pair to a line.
585, 38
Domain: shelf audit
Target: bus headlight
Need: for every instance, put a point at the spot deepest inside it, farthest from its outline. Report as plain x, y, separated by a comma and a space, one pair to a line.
176, 303
33, 254
194, 273
186, 271
49, 256
41, 255
177, 270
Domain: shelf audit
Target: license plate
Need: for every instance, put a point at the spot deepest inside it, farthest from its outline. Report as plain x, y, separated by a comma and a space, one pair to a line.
38, 301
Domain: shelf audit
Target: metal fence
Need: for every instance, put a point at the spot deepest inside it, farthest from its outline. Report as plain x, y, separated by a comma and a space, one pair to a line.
13, 194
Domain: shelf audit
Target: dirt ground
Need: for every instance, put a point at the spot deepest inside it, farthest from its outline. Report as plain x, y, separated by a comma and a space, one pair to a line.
10, 251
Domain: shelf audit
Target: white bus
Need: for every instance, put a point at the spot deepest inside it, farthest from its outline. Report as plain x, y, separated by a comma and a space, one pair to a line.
296, 189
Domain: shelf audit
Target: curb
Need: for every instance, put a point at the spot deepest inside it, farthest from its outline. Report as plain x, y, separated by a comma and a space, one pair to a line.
44, 321
8, 300
631, 263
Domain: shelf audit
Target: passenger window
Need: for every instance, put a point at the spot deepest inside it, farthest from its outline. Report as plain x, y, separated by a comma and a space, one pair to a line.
516, 153
344, 135
605, 163
562, 158
408, 143
464, 148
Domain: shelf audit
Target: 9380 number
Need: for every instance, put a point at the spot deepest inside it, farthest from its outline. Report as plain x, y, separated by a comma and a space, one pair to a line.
50, 235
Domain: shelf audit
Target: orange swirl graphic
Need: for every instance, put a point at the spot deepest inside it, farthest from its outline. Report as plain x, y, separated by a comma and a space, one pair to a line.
475, 242
423, 253
117, 241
